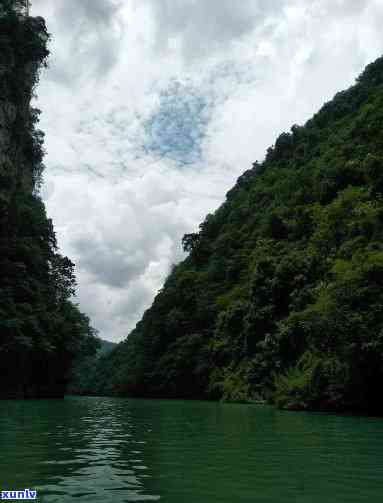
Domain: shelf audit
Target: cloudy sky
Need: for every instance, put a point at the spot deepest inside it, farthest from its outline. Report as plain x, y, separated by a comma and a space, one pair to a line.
153, 108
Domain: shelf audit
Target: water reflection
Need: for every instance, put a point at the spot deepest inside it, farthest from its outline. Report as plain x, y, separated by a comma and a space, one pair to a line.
117, 450
82, 448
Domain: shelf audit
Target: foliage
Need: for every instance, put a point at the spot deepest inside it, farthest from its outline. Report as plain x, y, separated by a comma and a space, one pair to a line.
85, 366
230, 384
280, 296
41, 330
12, 7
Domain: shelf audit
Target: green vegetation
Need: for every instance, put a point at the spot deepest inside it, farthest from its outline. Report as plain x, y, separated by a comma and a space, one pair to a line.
41, 330
84, 369
281, 296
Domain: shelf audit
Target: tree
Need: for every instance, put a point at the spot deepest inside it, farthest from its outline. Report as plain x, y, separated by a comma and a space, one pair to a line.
8, 7
190, 242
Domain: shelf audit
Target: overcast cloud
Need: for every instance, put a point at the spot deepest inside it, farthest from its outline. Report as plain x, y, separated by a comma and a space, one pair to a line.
153, 108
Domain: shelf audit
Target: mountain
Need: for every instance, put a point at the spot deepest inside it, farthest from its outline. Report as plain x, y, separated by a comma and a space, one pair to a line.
105, 347
281, 295
41, 330
84, 370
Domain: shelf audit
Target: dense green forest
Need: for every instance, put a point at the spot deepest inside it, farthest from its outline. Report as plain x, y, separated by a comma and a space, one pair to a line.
41, 330
85, 367
281, 295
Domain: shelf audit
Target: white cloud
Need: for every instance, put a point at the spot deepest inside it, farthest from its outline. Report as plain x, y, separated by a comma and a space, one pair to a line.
115, 188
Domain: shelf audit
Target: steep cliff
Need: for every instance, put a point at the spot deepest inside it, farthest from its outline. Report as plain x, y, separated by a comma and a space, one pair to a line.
281, 296
23, 51
40, 329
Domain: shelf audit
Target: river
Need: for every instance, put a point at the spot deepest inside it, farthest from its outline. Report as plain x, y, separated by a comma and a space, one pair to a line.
122, 450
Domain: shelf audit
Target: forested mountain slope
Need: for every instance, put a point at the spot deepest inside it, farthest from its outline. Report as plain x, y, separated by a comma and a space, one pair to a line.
40, 328
281, 296
84, 369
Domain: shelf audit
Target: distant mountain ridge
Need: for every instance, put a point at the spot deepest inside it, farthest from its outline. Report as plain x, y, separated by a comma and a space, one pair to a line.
106, 347
83, 374
281, 296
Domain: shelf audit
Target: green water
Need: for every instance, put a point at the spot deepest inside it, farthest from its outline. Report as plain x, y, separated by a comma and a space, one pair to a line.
117, 450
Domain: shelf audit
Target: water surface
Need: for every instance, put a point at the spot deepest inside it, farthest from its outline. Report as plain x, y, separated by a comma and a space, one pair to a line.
121, 450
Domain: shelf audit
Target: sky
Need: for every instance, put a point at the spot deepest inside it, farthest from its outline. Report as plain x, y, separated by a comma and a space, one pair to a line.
153, 108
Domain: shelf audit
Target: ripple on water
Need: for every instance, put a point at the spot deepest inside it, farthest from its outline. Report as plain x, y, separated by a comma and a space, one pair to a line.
116, 450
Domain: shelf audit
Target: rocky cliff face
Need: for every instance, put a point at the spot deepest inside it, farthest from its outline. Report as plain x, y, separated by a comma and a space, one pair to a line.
22, 52
40, 329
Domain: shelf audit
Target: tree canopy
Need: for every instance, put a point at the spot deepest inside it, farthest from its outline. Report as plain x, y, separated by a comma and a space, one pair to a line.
41, 329
281, 295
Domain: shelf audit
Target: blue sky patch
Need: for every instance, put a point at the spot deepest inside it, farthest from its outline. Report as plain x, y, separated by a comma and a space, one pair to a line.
178, 126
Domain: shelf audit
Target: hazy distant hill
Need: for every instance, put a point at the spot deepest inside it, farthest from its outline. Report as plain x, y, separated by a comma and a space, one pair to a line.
83, 373
105, 347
